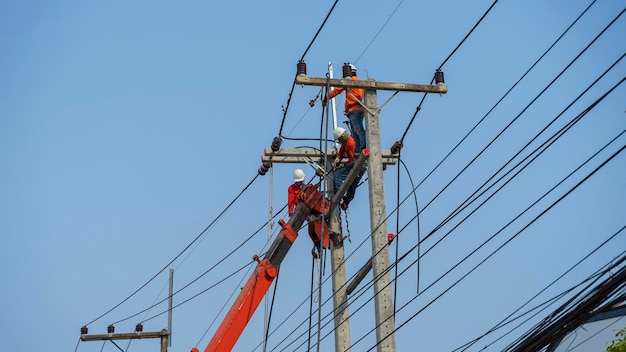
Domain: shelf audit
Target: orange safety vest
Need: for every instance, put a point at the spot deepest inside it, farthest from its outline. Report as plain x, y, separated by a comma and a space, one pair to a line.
347, 149
351, 103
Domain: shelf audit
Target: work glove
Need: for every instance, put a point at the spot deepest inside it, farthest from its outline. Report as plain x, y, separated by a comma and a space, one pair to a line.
337, 163
324, 101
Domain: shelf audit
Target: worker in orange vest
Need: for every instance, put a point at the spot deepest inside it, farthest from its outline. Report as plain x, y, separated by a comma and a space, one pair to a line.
342, 169
354, 110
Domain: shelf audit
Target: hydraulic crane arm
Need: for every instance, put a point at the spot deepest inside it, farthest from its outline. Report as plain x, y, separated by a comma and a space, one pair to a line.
266, 271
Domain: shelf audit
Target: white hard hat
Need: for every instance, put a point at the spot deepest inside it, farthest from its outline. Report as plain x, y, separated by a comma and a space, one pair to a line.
298, 175
338, 132
352, 67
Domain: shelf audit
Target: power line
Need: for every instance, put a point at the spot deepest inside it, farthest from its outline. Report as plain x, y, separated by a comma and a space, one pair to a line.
293, 85
520, 114
502, 322
419, 106
586, 110
179, 254
505, 243
499, 100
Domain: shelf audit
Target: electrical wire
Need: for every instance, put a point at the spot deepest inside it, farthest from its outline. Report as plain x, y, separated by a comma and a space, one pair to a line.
178, 255
593, 335
575, 312
499, 100
521, 113
554, 300
474, 195
201, 292
588, 109
419, 106
240, 284
293, 85
223, 259
593, 105
502, 322
255, 177
500, 247
379, 31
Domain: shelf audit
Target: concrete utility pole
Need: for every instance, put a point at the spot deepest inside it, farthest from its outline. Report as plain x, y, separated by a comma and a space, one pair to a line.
383, 297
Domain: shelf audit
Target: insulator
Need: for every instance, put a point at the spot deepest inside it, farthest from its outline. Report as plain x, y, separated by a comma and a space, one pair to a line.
395, 149
264, 168
439, 77
111, 329
139, 327
276, 143
84, 330
347, 71
301, 68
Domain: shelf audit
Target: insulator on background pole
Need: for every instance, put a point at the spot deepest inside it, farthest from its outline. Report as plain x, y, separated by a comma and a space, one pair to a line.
395, 149
111, 329
439, 77
276, 143
139, 327
346, 70
84, 330
301, 68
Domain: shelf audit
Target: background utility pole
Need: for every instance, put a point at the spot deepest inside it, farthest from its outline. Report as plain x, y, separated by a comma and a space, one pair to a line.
169, 310
138, 334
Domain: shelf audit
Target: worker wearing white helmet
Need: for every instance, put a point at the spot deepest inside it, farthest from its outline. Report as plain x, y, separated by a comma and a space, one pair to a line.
342, 169
294, 190
353, 108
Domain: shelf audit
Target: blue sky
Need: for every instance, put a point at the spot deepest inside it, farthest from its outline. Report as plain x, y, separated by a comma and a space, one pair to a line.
126, 128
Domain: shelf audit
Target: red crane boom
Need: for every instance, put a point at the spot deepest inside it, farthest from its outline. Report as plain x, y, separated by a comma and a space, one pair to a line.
266, 271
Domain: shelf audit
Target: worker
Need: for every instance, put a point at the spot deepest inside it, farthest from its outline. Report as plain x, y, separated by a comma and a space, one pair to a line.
343, 169
294, 190
354, 110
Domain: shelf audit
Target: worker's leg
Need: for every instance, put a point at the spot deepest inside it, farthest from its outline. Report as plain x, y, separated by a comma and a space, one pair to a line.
339, 176
357, 129
347, 198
